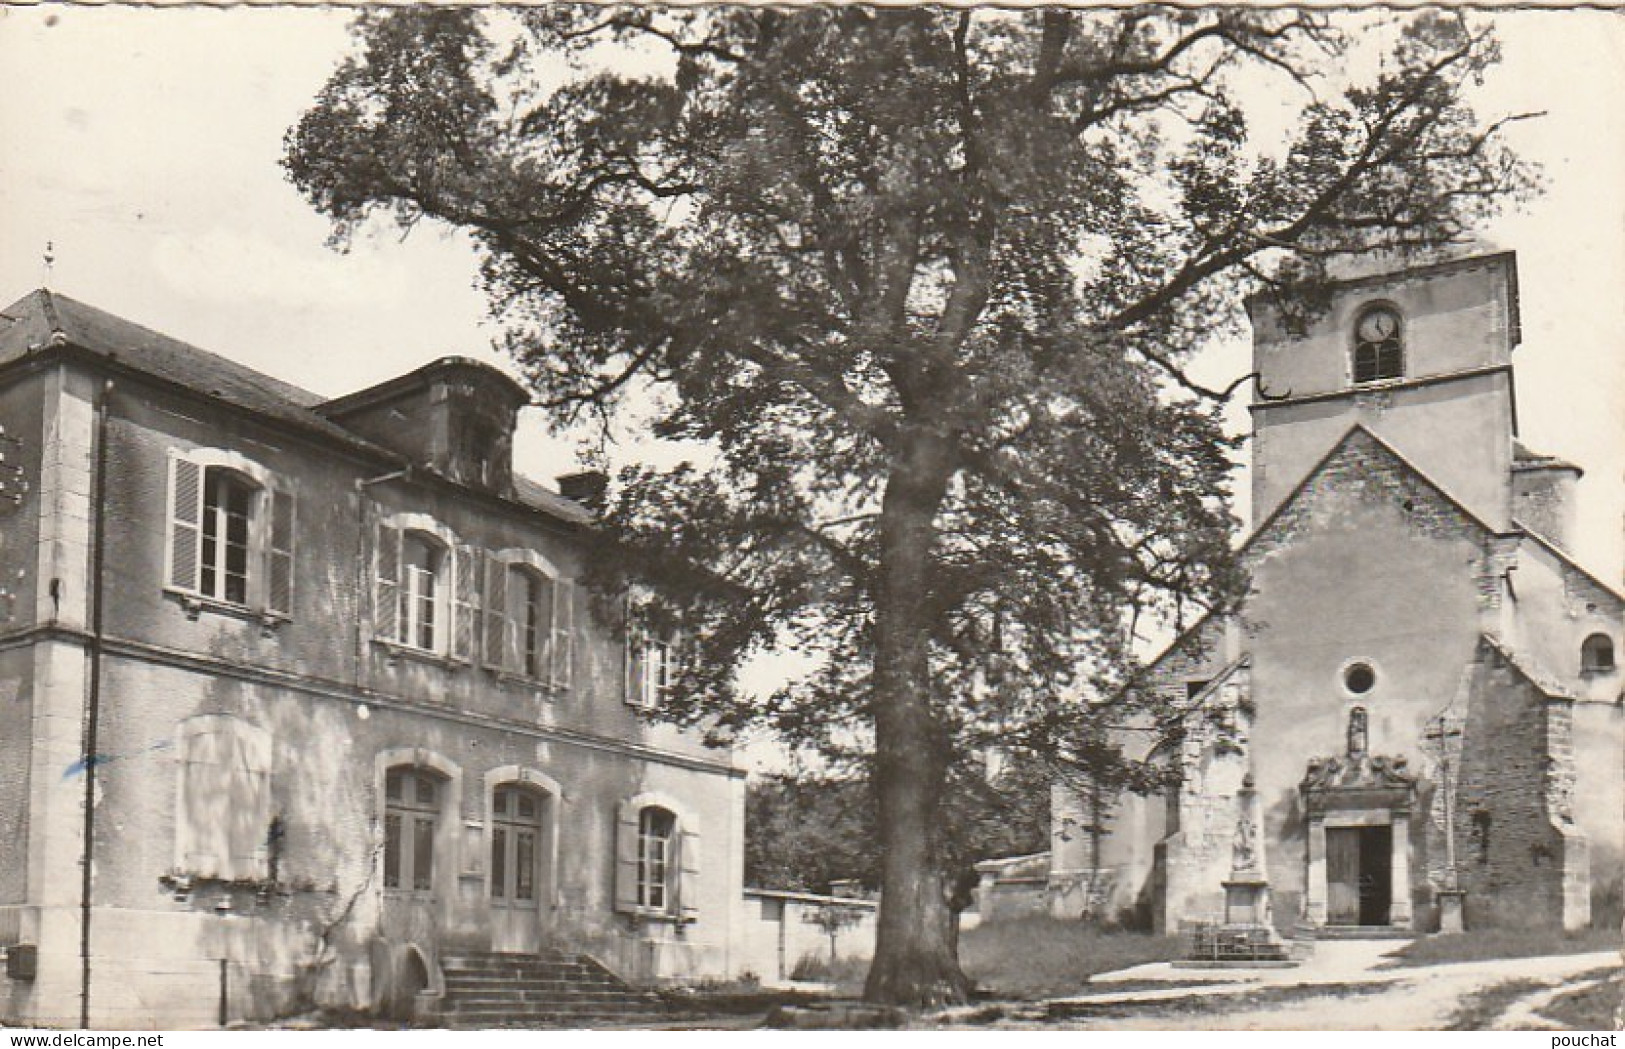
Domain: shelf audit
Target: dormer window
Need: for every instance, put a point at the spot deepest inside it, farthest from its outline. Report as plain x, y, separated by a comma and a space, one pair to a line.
1379, 345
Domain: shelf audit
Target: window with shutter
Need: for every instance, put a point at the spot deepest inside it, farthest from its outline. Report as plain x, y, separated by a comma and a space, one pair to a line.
229, 503
530, 622
657, 861
386, 591
231, 532
185, 522
223, 813
563, 655
497, 621
423, 572
626, 858
279, 558
465, 605
652, 670
688, 875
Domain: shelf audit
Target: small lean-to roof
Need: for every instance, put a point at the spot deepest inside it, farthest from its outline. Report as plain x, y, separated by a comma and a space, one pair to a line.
43, 320
1526, 458
1547, 686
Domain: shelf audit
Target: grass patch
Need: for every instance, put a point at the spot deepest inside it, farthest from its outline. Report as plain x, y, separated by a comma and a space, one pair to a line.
1485, 944
1041, 956
1482, 1008
1589, 1008
847, 974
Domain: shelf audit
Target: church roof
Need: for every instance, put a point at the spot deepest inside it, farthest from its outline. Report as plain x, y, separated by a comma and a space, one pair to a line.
1518, 528
1360, 432
45, 319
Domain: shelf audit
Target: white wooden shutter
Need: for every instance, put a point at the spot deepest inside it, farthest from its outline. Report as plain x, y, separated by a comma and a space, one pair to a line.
561, 658
386, 591
496, 612
185, 522
637, 667
626, 858
688, 874
465, 603
279, 554
202, 806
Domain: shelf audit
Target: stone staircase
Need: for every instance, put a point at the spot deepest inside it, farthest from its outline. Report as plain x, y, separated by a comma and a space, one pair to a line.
555, 989
1360, 932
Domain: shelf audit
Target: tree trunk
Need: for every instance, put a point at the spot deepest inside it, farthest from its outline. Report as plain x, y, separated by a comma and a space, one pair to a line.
916, 963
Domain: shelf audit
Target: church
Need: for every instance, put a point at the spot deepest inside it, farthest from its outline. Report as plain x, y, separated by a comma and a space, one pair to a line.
1412, 718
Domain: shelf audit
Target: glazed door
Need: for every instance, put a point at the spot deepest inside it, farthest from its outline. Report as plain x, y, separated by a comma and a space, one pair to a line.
516, 869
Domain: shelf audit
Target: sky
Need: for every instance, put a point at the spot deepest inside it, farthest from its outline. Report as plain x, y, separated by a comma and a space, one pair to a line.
142, 144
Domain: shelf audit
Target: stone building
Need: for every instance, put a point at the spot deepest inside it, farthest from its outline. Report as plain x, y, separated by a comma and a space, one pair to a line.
348, 711
1421, 681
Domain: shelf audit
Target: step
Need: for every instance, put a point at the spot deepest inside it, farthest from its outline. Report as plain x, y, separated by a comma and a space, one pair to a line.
540, 997
498, 1016
1362, 932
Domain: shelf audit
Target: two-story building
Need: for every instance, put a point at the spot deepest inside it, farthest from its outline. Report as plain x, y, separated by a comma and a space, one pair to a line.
299, 696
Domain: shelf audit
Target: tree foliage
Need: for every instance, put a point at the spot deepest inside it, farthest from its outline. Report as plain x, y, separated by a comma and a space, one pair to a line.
926, 280
803, 832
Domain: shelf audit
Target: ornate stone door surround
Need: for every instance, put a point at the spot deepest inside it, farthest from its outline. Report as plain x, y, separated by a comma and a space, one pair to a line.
1357, 790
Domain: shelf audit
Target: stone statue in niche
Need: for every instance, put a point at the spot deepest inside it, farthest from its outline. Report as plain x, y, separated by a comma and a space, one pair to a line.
1358, 732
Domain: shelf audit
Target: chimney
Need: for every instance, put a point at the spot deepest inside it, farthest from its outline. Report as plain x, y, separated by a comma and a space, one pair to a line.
586, 487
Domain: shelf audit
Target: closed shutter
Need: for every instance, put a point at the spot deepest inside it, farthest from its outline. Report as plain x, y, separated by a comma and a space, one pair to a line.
465, 603
279, 558
386, 592
564, 602
204, 806
688, 874
626, 858
185, 522
247, 782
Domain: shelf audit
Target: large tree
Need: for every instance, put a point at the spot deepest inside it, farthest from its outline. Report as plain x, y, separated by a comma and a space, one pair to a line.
925, 282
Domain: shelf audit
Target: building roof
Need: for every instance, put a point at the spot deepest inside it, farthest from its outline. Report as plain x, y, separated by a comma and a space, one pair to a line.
420, 378
45, 319
1526, 458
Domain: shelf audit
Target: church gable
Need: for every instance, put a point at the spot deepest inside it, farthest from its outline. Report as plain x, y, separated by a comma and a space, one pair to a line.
1363, 469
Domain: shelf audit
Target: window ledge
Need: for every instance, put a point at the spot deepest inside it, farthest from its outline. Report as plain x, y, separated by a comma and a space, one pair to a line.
397, 650
524, 682
1599, 671
196, 604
